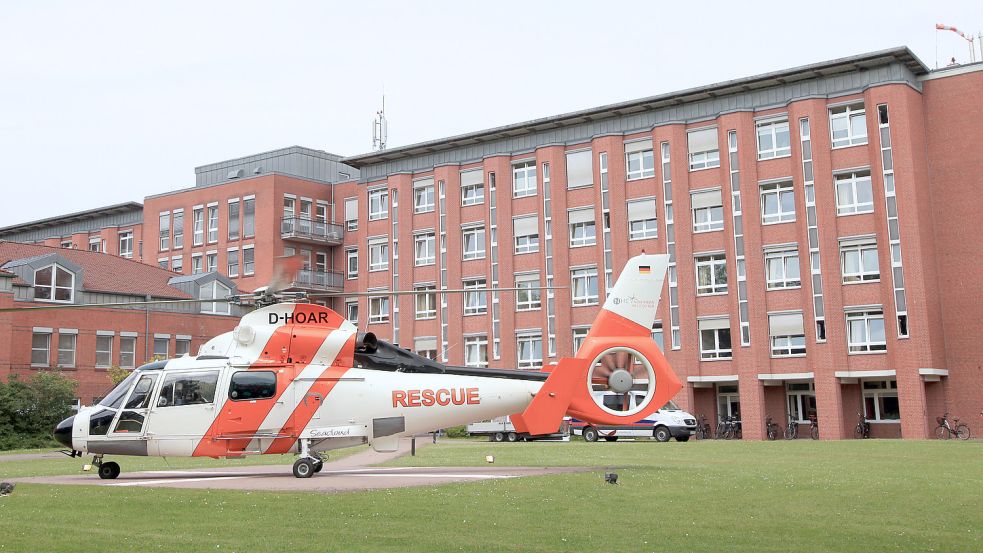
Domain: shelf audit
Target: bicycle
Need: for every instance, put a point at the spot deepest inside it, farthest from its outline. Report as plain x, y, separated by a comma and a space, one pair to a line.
703, 431
944, 430
862, 430
772, 429
722, 429
813, 427
735, 429
792, 430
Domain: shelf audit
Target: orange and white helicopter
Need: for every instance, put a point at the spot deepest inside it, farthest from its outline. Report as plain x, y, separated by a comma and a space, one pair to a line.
298, 377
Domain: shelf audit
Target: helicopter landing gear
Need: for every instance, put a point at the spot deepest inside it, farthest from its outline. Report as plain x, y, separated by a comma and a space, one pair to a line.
108, 470
309, 462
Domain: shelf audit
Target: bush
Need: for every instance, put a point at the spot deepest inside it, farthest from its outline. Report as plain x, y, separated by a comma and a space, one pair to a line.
30, 410
457, 432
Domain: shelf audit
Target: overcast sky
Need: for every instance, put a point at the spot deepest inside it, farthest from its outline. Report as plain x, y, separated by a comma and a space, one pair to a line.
108, 102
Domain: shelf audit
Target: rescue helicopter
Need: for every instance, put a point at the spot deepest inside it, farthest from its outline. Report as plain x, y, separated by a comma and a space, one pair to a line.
296, 377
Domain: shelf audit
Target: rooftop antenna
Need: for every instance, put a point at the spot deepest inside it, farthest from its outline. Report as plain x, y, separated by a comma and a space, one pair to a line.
969, 39
380, 128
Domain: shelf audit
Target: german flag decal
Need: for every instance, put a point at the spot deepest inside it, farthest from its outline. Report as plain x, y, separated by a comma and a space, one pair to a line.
644, 270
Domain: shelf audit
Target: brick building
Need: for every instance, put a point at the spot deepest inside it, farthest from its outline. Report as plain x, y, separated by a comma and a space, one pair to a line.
817, 219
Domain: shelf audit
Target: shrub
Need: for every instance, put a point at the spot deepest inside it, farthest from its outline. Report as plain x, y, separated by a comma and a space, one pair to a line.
30, 410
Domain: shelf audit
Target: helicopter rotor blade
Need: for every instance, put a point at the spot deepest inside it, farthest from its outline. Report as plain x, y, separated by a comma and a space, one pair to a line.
230, 299
423, 292
285, 270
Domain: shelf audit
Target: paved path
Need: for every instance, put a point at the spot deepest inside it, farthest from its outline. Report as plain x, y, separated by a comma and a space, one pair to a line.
33, 456
351, 473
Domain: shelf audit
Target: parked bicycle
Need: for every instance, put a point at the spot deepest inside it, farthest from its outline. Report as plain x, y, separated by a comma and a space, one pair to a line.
945, 430
703, 431
792, 430
862, 431
771, 429
814, 427
728, 428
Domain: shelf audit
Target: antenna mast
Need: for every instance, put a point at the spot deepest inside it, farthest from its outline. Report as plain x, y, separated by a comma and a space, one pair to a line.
380, 128
969, 39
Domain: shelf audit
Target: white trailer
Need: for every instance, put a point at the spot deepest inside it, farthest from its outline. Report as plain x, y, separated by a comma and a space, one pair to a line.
500, 429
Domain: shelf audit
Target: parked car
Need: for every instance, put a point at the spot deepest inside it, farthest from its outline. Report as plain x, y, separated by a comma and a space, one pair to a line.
666, 423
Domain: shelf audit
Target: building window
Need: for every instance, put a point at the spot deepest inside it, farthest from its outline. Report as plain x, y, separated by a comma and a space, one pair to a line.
583, 284
351, 311
472, 188
425, 247
524, 179
182, 347
642, 219
126, 244
708, 210
476, 302
639, 160
703, 150
579, 335
165, 231
67, 244
161, 347
249, 217
212, 224
426, 347
198, 226
351, 214
55, 284
378, 204
881, 400
248, 261
214, 290
127, 351
232, 265
711, 274
658, 335
773, 139
40, 349
715, 338
801, 400
378, 254
211, 262
66, 349
583, 227
474, 242
580, 169
196, 264
289, 207
854, 193
525, 232
351, 263
179, 229
234, 219
320, 262
529, 350
787, 334
94, 244
423, 196
782, 269
777, 203
858, 261
378, 309
426, 304
528, 297
162, 263
476, 351
848, 125
728, 401
865, 331
104, 351
177, 264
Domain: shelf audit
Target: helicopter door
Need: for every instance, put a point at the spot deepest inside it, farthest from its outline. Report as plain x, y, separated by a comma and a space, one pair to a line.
182, 412
259, 409
127, 434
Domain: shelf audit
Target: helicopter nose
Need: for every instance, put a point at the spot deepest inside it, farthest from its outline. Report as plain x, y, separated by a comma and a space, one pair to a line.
63, 432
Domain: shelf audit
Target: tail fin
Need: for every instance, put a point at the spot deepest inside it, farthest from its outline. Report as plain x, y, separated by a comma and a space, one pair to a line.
619, 375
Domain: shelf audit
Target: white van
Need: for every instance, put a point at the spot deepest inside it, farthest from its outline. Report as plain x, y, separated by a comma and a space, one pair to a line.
668, 422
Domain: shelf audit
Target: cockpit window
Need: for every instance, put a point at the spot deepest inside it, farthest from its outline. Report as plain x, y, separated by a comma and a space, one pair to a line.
190, 388
115, 398
140, 398
247, 385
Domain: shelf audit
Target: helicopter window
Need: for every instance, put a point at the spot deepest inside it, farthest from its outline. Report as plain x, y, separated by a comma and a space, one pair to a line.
115, 398
248, 385
129, 421
99, 422
140, 398
192, 388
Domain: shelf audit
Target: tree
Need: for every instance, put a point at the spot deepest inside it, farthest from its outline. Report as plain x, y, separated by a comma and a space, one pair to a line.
30, 410
117, 374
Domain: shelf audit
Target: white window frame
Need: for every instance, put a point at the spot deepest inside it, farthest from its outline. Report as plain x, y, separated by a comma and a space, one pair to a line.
646, 164
853, 182
53, 288
703, 219
887, 388
426, 304
249, 216
211, 262
351, 224
527, 343
709, 263
351, 254
797, 395
476, 351
524, 173
248, 260
182, 346
526, 299
47, 347
786, 345
579, 235
213, 224
473, 194
71, 338
177, 263
232, 262
161, 339
211, 291
198, 226
782, 258
703, 159
164, 226
351, 308
233, 208
580, 281
424, 203
714, 351
476, 253
579, 334
525, 243
124, 351
104, 337
648, 227
427, 243
378, 309
773, 129
475, 303
126, 244
177, 229
378, 255
866, 319
851, 113
780, 191
864, 251
378, 204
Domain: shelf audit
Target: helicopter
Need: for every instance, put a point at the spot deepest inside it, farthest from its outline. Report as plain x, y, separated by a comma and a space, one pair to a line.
297, 377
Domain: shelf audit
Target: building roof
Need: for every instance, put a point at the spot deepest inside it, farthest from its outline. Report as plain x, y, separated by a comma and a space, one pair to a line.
101, 272
832, 67
72, 217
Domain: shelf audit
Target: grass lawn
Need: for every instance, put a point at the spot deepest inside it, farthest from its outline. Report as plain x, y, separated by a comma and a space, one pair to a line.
867, 496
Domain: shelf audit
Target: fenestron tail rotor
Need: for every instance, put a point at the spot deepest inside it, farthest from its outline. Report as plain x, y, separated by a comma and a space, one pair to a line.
616, 375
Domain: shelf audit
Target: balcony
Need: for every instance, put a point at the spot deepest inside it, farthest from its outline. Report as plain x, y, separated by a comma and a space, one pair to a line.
310, 231
321, 281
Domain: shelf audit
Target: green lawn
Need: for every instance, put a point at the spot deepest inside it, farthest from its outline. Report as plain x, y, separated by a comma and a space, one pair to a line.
867, 496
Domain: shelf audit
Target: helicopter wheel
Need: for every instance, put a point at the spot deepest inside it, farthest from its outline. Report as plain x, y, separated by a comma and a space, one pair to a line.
109, 471
318, 465
304, 468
